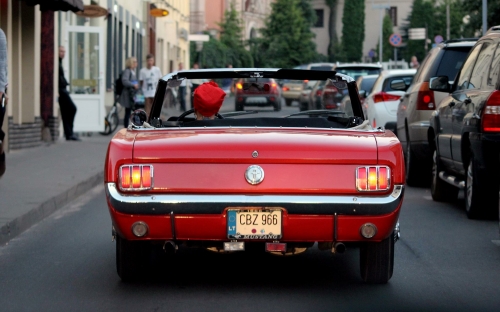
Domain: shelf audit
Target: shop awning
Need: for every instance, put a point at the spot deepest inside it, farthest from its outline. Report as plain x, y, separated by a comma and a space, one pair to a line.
57, 5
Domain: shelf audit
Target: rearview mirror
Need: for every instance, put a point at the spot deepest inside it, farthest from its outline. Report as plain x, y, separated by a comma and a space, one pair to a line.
439, 83
399, 84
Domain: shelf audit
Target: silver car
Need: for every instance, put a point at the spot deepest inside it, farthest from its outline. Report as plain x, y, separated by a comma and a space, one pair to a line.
418, 103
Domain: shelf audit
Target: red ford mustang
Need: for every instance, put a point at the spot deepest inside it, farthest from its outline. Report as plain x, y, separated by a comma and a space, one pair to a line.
314, 178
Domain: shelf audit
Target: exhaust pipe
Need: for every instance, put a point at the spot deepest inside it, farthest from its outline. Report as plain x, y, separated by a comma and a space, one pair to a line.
170, 247
338, 248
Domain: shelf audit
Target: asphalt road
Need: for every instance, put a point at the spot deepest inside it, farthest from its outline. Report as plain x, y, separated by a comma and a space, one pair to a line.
444, 262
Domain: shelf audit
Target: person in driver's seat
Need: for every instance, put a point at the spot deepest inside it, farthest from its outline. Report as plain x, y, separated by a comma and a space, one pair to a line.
207, 100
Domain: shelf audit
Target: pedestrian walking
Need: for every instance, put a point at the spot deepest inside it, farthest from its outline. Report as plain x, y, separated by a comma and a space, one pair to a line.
414, 62
130, 86
3, 96
148, 78
66, 104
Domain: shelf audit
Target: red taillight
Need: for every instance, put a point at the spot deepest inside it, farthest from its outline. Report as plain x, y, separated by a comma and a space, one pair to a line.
273, 85
239, 86
385, 97
286, 89
136, 177
491, 114
125, 177
425, 97
319, 92
375, 178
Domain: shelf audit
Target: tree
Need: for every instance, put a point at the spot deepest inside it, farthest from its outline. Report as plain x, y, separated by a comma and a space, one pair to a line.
353, 33
475, 12
287, 36
231, 37
421, 16
387, 31
457, 13
333, 45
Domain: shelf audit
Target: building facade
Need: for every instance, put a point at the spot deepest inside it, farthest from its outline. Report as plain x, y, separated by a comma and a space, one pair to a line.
206, 15
373, 14
97, 46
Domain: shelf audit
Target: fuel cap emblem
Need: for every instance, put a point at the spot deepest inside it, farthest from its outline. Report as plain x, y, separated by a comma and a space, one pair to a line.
254, 174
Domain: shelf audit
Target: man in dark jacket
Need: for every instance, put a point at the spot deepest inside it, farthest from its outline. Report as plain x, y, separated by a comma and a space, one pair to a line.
68, 108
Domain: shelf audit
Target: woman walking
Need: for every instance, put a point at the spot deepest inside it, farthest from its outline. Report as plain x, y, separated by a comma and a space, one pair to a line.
130, 86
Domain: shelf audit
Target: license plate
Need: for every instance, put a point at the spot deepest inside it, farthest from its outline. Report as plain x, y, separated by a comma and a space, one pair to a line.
254, 224
256, 100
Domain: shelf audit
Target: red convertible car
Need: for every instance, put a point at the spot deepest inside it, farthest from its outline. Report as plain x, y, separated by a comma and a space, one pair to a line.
314, 178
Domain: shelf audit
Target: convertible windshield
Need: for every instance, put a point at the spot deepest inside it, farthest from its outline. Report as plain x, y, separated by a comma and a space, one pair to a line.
256, 98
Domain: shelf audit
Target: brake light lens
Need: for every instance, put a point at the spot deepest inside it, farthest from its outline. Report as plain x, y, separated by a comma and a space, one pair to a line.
425, 97
239, 86
136, 177
491, 114
286, 89
374, 178
385, 97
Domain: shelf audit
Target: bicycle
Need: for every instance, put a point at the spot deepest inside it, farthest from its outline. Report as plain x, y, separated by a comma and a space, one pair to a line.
111, 120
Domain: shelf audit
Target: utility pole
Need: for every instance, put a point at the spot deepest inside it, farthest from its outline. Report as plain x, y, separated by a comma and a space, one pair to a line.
448, 21
381, 7
485, 13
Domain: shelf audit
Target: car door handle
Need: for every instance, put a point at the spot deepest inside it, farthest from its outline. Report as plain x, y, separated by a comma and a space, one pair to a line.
467, 101
451, 104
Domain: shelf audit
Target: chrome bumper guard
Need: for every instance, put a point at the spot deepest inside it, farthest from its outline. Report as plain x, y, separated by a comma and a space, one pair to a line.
162, 204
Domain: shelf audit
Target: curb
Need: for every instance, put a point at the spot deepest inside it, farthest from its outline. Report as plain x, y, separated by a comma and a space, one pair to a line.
20, 224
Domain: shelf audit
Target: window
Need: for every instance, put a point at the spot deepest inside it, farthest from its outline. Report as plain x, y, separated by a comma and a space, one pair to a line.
482, 64
463, 79
320, 20
451, 62
495, 68
109, 53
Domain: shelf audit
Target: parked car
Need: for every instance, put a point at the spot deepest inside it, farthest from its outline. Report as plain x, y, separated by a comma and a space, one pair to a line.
257, 92
365, 84
240, 181
306, 93
356, 70
382, 103
292, 89
464, 133
419, 102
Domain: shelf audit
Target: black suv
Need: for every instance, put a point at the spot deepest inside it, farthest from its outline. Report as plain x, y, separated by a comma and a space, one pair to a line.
464, 131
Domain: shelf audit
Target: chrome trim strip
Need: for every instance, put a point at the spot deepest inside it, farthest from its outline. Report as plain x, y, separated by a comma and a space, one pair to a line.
198, 204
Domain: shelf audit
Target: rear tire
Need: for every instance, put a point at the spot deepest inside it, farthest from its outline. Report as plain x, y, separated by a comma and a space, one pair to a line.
131, 258
480, 196
277, 105
377, 261
440, 190
288, 102
416, 173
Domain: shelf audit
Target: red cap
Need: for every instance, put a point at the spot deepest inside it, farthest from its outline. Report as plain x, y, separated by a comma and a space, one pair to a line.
208, 99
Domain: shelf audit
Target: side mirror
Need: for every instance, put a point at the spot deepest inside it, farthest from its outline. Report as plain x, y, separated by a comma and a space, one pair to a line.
362, 94
439, 83
399, 84
138, 117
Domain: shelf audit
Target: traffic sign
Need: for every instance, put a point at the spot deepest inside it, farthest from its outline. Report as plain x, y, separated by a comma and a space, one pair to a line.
395, 40
438, 39
416, 33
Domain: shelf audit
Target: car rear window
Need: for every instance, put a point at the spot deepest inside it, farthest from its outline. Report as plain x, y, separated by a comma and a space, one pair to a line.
321, 67
356, 72
367, 84
452, 61
387, 82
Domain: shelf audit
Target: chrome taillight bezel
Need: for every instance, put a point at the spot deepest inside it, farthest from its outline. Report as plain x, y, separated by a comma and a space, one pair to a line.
131, 188
377, 189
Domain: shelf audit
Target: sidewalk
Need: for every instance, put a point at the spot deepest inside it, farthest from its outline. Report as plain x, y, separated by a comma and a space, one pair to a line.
41, 180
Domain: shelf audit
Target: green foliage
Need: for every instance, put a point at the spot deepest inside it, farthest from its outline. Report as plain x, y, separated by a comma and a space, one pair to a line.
229, 49
287, 37
333, 45
387, 31
421, 16
474, 9
457, 12
353, 30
